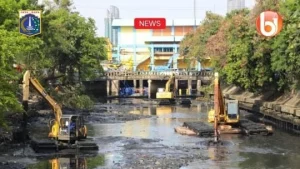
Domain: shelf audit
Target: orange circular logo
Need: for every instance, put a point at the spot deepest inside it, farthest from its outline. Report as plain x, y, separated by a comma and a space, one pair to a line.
269, 23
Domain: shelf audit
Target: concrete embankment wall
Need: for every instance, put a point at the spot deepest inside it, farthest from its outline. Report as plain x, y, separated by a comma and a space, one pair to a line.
281, 110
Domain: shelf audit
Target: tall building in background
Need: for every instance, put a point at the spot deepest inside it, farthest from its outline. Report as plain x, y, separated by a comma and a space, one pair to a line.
111, 34
235, 5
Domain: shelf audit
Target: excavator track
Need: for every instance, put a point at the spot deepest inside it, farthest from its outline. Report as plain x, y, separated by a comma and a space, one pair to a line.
166, 101
45, 145
87, 145
200, 128
246, 127
251, 128
174, 101
185, 101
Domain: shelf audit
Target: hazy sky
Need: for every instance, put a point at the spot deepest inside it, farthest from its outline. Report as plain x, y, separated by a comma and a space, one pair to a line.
171, 9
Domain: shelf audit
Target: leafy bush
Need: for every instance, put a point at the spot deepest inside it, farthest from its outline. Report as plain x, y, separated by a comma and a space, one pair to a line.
80, 102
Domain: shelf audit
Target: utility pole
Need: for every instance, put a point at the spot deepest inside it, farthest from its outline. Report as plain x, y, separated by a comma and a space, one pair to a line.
173, 34
174, 46
194, 15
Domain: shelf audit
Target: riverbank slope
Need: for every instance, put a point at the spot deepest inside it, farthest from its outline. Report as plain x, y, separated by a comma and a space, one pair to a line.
282, 110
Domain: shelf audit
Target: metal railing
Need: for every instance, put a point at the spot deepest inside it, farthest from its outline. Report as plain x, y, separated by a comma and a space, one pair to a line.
157, 73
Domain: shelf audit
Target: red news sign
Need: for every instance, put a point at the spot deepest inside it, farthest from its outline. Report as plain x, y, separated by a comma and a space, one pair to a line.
149, 23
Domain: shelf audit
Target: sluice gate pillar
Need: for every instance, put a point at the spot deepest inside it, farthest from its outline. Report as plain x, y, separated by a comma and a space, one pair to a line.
141, 91
149, 89
187, 81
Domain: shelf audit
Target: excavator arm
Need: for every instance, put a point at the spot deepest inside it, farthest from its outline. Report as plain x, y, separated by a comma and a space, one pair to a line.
169, 83
219, 99
219, 115
31, 81
166, 94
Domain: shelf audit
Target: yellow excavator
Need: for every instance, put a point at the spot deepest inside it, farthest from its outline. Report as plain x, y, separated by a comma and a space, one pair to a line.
65, 130
228, 110
225, 114
166, 96
166, 93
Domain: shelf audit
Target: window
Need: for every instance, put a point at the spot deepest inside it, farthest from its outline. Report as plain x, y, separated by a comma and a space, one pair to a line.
168, 49
115, 51
158, 49
163, 49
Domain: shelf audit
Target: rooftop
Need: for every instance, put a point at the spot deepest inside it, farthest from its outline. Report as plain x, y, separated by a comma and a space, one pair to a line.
164, 39
169, 22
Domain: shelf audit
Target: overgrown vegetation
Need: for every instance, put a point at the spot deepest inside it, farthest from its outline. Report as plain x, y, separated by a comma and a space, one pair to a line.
68, 46
76, 98
242, 56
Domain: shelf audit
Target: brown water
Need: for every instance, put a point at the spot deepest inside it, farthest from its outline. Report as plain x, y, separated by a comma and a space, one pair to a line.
278, 151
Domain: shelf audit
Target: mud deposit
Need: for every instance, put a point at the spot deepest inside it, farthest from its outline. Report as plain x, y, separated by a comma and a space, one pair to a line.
134, 134
148, 153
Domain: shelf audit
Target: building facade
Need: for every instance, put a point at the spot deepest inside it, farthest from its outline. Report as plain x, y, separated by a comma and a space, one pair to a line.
145, 49
110, 33
235, 5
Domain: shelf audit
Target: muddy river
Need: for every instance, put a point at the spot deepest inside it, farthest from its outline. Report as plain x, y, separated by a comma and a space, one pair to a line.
151, 142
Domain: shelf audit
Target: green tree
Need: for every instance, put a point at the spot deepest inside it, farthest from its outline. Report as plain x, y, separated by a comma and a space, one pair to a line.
68, 44
245, 58
71, 44
286, 47
14, 48
193, 44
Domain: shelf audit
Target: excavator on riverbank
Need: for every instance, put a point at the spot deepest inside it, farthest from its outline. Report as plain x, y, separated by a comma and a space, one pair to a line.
66, 131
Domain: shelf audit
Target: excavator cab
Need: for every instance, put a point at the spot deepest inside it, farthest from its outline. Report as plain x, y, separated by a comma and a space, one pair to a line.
72, 128
231, 114
232, 109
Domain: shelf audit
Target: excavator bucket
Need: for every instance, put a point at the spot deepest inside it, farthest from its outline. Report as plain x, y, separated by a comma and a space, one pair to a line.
86, 145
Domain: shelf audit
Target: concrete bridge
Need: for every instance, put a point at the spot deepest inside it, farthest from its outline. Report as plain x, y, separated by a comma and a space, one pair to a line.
155, 75
187, 83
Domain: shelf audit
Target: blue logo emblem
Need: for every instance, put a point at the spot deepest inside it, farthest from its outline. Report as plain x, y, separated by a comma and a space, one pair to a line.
30, 24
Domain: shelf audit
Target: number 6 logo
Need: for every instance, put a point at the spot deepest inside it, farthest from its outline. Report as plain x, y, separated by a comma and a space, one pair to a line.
269, 23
